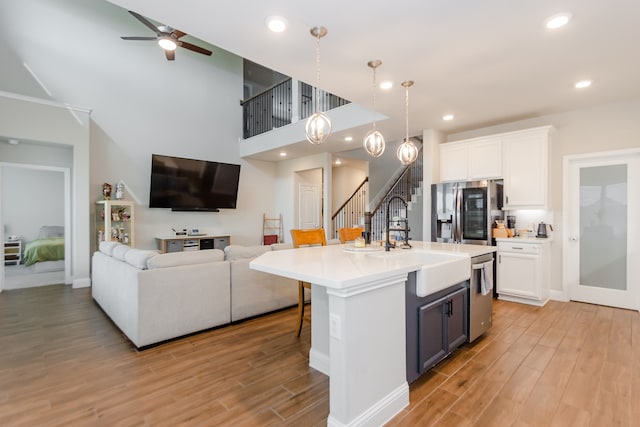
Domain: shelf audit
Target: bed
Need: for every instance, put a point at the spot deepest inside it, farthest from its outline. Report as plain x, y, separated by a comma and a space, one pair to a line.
49, 246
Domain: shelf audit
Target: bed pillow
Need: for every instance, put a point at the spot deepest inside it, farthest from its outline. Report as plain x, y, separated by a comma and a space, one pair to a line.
175, 259
139, 257
107, 247
120, 251
49, 231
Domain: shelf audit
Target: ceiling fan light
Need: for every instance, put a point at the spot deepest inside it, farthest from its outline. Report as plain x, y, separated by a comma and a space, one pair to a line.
374, 143
318, 128
167, 43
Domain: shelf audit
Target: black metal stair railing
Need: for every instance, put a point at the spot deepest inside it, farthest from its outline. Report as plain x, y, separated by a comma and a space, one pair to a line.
273, 107
404, 186
351, 211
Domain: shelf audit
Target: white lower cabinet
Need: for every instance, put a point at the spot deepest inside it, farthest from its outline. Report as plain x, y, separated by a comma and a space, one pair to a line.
523, 270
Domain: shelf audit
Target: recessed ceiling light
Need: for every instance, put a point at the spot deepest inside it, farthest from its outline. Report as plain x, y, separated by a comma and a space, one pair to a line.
283, 154
13, 141
557, 21
348, 138
386, 85
447, 117
338, 162
277, 24
583, 84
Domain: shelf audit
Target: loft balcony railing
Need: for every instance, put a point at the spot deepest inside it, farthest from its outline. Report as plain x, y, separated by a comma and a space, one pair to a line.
275, 107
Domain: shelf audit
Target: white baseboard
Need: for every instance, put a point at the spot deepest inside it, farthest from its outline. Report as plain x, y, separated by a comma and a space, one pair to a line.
84, 282
381, 412
319, 361
558, 295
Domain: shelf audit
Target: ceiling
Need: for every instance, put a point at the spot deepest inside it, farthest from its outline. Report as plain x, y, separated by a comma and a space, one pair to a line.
486, 62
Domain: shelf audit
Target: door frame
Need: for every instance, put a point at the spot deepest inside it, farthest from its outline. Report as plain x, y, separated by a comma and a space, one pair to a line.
67, 214
633, 247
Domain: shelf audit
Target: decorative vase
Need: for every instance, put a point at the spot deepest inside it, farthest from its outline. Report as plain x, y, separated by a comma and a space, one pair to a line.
106, 191
119, 191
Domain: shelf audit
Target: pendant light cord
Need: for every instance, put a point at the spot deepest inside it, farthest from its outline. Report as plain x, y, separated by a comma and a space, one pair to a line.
318, 73
374, 98
406, 105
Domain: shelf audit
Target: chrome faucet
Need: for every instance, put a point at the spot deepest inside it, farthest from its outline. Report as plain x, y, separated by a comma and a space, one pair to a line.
405, 240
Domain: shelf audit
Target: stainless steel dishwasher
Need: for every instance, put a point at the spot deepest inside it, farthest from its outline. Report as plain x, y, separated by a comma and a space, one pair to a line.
480, 305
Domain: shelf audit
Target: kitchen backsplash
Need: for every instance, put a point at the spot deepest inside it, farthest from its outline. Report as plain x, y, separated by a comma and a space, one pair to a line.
530, 218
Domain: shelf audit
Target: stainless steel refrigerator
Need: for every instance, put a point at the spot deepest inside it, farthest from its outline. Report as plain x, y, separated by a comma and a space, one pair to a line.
465, 212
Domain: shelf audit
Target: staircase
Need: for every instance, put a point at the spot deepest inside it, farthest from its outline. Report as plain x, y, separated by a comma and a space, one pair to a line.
407, 185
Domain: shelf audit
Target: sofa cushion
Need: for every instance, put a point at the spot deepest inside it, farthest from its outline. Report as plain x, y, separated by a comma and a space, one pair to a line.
107, 247
139, 257
120, 251
280, 246
234, 252
175, 259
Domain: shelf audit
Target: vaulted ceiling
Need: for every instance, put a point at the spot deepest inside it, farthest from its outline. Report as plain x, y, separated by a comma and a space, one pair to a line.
485, 62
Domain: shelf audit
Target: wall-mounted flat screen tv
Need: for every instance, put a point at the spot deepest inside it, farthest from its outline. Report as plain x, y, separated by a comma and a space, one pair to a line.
193, 185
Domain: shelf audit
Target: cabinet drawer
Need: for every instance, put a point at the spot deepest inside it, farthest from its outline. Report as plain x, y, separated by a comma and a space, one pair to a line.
523, 248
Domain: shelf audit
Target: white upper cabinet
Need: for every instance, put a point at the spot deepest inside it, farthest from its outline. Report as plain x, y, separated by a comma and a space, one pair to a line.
526, 168
453, 162
479, 158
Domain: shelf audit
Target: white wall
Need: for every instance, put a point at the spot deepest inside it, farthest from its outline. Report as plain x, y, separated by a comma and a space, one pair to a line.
31, 198
346, 178
609, 127
141, 104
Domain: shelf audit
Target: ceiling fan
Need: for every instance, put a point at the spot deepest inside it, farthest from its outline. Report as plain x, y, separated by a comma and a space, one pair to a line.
168, 38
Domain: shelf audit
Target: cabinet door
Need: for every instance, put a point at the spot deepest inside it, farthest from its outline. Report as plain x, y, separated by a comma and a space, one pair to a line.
525, 165
519, 275
431, 334
485, 159
457, 329
453, 162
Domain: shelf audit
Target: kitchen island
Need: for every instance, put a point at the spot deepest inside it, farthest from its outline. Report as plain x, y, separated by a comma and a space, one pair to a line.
358, 312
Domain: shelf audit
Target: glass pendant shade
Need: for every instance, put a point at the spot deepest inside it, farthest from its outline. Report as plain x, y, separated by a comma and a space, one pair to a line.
407, 152
374, 143
318, 128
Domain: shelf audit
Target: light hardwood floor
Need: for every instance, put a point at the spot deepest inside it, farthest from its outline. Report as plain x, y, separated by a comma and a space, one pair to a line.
63, 363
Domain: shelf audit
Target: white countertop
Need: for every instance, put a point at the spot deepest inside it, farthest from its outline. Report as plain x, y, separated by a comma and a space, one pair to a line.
334, 267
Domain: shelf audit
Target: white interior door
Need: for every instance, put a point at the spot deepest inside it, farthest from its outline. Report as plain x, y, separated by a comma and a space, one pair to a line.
601, 250
309, 206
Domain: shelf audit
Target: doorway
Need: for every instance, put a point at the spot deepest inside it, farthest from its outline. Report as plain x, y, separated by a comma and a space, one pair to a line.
601, 248
309, 185
35, 200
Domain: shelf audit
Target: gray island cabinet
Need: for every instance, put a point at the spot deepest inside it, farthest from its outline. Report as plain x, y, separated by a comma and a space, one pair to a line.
436, 325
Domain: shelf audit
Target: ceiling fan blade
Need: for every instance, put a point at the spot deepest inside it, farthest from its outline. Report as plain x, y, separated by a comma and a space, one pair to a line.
177, 34
194, 48
171, 55
139, 38
145, 21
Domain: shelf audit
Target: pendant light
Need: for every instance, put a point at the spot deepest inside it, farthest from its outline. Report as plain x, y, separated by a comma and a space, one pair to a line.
318, 126
374, 141
407, 151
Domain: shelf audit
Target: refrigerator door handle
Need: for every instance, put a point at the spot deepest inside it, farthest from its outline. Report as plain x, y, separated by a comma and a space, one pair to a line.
458, 216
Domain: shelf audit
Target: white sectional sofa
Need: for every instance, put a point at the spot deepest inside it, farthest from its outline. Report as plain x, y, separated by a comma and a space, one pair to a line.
155, 297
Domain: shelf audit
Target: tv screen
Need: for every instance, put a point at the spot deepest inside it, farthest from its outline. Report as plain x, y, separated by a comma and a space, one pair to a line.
192, 185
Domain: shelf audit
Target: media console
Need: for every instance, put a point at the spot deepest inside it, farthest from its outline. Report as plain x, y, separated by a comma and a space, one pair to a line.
192, 243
